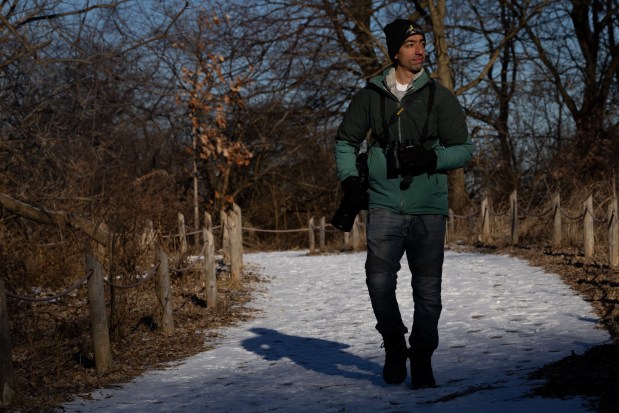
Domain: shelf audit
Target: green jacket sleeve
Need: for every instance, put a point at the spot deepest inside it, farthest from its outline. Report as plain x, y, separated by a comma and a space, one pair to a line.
351, 132
455, 149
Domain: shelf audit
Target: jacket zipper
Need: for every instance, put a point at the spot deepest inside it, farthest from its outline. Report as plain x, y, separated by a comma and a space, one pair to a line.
400, 108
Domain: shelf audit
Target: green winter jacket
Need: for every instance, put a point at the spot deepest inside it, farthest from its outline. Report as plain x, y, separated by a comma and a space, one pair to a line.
447, 135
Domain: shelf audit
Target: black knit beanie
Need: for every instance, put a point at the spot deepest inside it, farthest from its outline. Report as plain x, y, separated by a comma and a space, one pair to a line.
397, 32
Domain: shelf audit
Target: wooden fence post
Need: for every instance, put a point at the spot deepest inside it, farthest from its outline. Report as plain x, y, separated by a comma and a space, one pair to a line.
182, 230
613, 234
7, 378
556, 222
513, 205
450, 225
98, 315
164, 294
312, 237
210, 274
239, 231
588, 227
148, 236
236, 253
321, 235
484, 219
225, 237
356, 237
363, 219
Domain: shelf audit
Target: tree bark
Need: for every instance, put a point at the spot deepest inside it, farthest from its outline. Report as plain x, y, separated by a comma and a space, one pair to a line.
7, 377
98, 315
458, 198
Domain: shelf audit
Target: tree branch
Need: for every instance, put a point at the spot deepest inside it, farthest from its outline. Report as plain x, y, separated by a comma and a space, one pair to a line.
42, 216
70, 13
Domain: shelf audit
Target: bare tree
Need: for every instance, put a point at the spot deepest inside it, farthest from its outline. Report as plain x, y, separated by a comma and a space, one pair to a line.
77, 103
575, 43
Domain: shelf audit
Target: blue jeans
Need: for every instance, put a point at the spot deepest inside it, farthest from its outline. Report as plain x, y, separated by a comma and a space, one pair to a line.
389, 235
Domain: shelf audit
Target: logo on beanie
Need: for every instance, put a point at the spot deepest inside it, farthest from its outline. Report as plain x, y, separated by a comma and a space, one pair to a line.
413, 30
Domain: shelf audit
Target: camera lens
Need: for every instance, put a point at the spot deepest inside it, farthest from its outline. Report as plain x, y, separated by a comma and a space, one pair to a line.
343, 219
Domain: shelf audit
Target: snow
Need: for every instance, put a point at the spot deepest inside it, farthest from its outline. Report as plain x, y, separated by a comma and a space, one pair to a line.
313, 346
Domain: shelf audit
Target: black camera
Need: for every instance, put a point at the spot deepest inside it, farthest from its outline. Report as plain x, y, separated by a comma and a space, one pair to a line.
400, 151
356, 196
397, 161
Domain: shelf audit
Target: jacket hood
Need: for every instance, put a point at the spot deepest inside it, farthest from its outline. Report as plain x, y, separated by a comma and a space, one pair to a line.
380, 80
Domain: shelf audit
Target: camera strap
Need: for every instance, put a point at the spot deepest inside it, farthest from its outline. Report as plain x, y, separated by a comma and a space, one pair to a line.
424, 133
383, 138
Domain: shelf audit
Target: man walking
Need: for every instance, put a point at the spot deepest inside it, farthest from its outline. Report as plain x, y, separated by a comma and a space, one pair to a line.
418, 133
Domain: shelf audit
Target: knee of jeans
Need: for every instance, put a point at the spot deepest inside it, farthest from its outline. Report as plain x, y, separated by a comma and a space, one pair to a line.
377, 265
428, 298
381, 276
380, 284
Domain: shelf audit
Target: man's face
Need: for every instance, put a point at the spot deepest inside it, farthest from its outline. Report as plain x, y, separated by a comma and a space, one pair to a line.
412, 53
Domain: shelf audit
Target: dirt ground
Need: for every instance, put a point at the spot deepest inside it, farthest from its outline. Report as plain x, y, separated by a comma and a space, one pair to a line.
53, 361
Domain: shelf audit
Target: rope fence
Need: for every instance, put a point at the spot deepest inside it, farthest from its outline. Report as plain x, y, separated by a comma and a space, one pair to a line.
514, 213
55, 297
277, 230
586, 217
137, 283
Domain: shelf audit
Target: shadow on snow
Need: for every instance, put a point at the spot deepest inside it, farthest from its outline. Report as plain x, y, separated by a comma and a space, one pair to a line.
322, 356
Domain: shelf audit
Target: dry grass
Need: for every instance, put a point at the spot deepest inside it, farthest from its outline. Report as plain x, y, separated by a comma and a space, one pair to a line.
52, 355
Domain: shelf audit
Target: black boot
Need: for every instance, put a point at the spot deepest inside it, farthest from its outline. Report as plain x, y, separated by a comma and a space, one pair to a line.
394, 371
421, 369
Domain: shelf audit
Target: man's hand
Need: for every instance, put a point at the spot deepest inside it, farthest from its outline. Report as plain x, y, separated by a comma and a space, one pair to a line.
417, 160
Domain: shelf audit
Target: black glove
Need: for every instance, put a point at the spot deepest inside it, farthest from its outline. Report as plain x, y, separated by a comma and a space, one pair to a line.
416, 160
355, 195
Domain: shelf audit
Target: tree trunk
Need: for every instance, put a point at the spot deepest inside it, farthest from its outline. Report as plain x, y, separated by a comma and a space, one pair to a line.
458, 198
7, 377
196, 201
443, 62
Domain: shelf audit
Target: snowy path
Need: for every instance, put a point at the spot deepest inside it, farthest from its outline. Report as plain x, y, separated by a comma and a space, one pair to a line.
313, 348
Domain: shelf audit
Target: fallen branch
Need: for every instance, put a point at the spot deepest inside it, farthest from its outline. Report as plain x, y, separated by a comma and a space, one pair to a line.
94, 231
